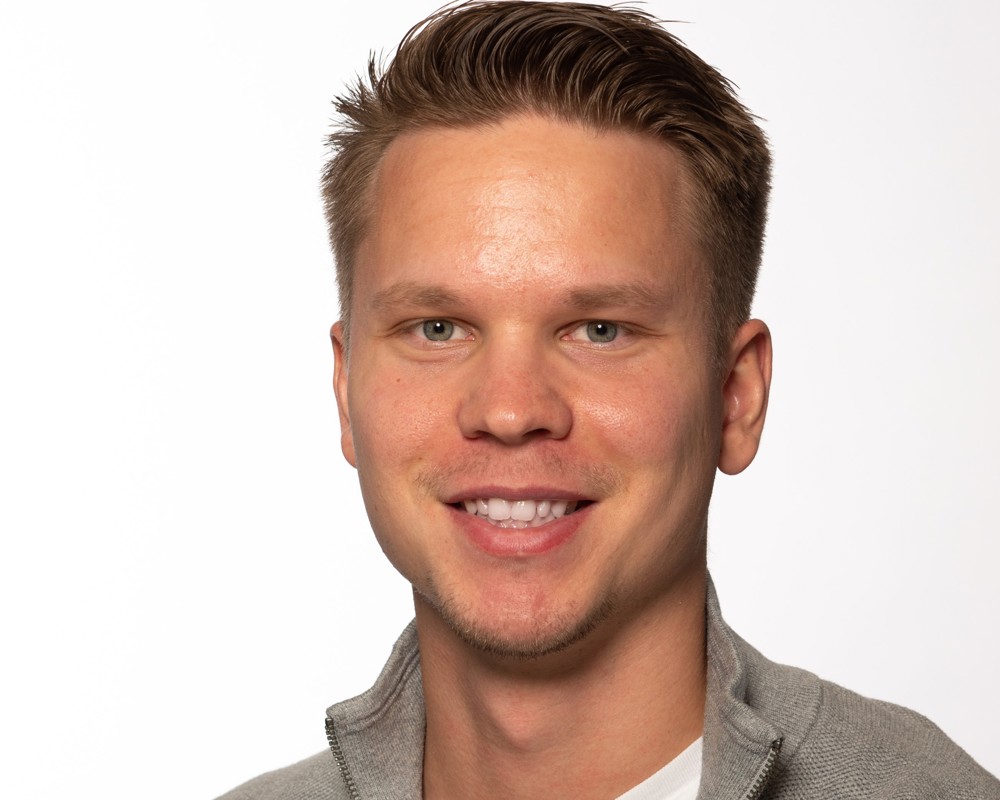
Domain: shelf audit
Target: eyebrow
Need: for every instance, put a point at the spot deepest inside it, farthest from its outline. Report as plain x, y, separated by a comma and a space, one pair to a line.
413, 293
632, 294
586, 298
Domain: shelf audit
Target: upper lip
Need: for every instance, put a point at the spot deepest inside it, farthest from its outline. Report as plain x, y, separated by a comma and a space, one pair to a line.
537, 492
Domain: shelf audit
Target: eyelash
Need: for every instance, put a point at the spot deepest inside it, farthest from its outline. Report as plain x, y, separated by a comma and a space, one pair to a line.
425, 324
616, 329
419, 329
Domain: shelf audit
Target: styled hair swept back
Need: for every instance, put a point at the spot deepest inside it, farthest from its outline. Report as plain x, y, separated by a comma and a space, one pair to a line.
608, 68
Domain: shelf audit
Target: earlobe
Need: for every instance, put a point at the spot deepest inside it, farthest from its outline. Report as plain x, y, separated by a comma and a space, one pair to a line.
744, 396
340, 391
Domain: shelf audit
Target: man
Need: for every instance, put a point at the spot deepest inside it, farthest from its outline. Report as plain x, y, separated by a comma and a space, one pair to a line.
548, 222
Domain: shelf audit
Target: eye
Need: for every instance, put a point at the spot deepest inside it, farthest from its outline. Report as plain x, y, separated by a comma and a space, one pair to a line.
598, 331
442, 330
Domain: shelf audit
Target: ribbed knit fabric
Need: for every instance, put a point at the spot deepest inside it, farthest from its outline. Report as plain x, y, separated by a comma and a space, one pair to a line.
771, 733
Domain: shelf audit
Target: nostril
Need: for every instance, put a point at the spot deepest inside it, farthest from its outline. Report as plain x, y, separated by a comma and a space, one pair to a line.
513, 406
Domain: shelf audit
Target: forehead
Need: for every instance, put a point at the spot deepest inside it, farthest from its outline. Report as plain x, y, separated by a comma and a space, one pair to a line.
527, 197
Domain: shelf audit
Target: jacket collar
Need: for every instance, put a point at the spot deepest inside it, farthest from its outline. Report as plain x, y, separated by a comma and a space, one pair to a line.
754, 710
380, 734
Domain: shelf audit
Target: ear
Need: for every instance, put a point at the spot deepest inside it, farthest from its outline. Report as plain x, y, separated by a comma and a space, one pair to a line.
340, 390
744, 395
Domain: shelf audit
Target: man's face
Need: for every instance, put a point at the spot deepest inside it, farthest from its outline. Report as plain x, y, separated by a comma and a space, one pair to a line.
529, 337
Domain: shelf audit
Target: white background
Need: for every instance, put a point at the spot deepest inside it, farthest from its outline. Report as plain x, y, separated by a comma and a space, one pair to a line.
187, 578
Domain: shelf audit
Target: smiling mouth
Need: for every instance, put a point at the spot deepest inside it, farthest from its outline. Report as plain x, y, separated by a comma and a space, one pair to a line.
519, 513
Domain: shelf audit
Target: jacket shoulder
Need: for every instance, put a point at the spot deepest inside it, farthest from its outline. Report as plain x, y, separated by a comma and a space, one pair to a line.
882, 749
809, 739
315, 778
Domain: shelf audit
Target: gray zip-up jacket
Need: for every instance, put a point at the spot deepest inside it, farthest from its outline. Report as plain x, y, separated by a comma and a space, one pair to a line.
771, 732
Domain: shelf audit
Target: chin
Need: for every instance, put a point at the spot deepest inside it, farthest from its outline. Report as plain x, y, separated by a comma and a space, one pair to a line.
515, 634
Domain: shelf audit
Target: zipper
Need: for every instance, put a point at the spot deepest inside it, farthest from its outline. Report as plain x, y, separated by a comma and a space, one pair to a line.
764, 775
338, 755
759, 783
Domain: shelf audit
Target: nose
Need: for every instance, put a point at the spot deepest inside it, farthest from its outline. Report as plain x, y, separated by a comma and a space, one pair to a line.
514, 396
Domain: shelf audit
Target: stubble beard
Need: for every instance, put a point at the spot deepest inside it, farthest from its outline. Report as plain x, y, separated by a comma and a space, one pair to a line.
544, 638
496, 636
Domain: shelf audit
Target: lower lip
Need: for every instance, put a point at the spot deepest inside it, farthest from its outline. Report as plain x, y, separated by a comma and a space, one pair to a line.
520, 542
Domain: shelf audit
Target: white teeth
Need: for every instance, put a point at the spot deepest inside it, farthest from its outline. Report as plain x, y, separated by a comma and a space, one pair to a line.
498, 508
519, 513
523, 510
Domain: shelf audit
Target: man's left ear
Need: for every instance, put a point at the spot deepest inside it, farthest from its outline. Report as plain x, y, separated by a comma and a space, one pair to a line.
744, 395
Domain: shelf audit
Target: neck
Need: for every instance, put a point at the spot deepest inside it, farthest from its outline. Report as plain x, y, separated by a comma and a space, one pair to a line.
590, 721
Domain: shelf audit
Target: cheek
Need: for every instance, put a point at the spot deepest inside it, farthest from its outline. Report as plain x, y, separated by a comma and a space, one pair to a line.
664, 429
636, 418
394, 435
397, 426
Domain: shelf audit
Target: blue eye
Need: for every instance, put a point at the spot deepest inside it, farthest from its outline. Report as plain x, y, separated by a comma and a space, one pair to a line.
439, 330
602, 332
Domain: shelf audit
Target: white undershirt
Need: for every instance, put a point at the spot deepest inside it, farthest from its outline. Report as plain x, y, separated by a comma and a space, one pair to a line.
678, 780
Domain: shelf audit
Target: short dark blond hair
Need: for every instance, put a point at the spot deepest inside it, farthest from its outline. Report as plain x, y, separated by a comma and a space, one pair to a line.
607, 68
